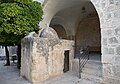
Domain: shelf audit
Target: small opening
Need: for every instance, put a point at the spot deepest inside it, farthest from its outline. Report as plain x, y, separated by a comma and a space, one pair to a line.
66, 61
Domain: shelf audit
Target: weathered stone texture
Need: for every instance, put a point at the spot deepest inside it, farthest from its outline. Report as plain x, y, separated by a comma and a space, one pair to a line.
49, 33
51, 54
118, 50
109, 13
111, 80
104, 41
25, 68
107, 70
44, 60
117, 31
75, 65
116, 70
113, 40
108, 51
117, 60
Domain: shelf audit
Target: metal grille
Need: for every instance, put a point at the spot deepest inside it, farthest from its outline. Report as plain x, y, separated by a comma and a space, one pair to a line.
83, 58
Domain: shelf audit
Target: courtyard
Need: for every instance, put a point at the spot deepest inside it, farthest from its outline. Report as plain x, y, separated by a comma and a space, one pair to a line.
59, 53
11, 75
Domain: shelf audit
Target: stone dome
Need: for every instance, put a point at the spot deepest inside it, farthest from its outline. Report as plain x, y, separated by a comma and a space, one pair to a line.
32, 34
49, 33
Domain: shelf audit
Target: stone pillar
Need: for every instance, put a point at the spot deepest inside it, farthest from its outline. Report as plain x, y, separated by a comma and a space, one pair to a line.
109, 15
110, 31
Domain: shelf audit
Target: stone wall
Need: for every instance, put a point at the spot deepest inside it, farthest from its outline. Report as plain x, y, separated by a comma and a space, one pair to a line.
42, 60
88, 32
26, 55
109, 13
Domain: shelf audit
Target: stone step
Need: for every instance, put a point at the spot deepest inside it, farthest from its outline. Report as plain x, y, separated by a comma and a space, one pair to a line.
83, 81
93, 64
91, 77
96, 72
94, 61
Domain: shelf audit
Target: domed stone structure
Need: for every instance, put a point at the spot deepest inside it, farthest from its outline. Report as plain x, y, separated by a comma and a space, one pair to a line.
51, 35
31, 34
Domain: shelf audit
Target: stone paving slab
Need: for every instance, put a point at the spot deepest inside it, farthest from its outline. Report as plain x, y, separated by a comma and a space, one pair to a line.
10, 75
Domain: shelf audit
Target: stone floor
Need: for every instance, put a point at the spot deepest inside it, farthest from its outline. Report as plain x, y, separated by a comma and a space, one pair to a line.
68, 78
11, 75
95, 56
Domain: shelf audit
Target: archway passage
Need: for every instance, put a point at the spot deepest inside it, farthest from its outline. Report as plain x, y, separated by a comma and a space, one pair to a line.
77, 20
89, 35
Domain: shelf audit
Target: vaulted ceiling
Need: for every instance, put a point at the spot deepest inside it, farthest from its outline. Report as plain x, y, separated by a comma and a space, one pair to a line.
67, 12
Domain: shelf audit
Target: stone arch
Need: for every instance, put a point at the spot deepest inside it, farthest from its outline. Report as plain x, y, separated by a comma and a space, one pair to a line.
94, 14
57, 20
50, 9
89, 35
109, 17
58, 7
88, 32
60, 31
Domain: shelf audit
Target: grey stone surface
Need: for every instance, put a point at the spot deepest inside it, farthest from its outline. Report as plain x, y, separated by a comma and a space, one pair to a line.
108, 51
93, 71
107, 70
117, 60
118, 50
51, 35
112, 80
104, 41
43, 59
113, 40
117, 31
11, 75
116, 70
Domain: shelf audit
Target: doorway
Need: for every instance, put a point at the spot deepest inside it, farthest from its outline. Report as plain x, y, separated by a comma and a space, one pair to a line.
89, 37
66, 61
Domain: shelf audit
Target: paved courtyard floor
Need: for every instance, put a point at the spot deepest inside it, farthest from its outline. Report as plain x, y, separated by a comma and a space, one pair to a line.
11, 75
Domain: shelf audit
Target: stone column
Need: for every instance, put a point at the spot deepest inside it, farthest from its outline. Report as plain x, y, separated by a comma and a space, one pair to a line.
110, 31
109, 15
